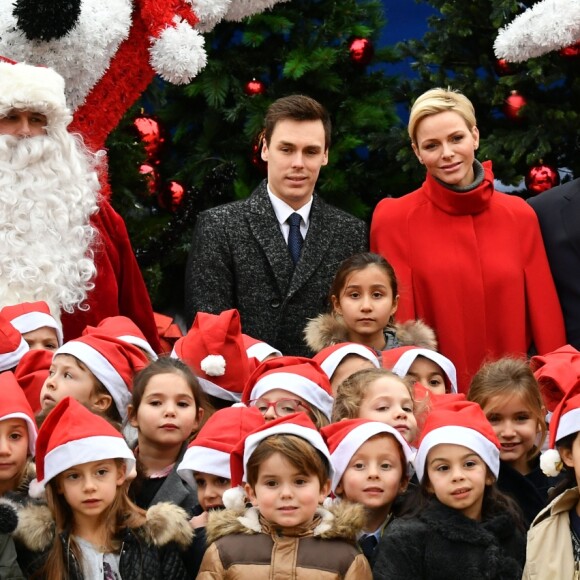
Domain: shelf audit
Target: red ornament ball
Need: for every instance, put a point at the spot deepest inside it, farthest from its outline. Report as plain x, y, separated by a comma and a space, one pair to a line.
361, 51
541, 177
503, 67
572, 51
254, 87
513, 106
149, 131
148, 171
172, 196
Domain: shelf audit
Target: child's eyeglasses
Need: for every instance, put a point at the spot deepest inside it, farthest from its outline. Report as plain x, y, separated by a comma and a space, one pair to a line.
282, 407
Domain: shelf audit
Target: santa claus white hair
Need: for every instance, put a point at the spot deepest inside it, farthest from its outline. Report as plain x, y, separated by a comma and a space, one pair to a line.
48, 191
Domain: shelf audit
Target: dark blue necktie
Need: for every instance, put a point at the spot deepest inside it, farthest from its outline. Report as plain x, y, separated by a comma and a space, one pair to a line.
367, 545
295, 237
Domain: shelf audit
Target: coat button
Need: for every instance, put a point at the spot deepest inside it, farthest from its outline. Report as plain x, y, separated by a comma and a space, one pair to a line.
275, 303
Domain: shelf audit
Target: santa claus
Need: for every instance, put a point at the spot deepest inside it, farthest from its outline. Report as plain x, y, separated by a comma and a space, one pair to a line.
60, 241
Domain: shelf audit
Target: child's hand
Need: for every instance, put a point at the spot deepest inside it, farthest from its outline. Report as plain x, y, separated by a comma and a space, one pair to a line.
199, 521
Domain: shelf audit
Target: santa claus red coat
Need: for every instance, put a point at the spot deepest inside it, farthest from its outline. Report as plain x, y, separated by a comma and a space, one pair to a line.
473, 267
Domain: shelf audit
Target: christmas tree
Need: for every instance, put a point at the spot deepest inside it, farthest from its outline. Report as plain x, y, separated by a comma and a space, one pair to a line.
210, 128
527, 113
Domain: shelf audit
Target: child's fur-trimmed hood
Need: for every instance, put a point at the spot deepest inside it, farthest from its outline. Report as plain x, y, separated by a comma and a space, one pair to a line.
166, 523
344, 520
329, 329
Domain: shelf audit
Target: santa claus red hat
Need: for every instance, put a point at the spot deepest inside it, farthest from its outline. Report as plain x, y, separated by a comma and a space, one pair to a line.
31, 373
33, 88
298, 424
124, 329
210, 451
565, 420
12, 345
14, 405
556, 372
112, 361
72, 435
215, 350
300, 376
458, 422
30, 316
400, 359
345, 437
330, 357
259, 349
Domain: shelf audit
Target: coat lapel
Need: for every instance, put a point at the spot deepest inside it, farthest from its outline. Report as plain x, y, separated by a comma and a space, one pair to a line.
266, 230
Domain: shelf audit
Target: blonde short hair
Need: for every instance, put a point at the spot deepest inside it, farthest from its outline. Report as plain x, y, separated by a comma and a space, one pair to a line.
439, 101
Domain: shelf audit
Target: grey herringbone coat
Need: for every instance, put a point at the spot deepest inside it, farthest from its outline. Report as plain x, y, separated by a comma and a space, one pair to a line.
239, 259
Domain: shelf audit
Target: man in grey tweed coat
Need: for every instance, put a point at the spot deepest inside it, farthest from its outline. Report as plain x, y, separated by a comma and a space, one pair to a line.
240, 255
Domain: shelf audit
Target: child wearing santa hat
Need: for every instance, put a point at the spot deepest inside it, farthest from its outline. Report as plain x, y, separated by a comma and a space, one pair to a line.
290, 384
31, 373
96, 370
378, 395
17, 437
90, 528
463, 527
206, 466
124, 329
422, 365
36, 324
167, 406
12, 346
370, 461
340, 361
214, 348
286, 468
553, 548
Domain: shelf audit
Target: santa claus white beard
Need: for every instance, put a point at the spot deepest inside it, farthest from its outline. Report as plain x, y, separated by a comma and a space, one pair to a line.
48, 191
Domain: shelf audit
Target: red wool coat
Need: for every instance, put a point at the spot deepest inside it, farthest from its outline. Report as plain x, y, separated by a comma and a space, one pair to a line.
119, 286
474, 268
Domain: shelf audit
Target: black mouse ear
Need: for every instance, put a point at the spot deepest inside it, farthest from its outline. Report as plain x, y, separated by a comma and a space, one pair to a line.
46, 19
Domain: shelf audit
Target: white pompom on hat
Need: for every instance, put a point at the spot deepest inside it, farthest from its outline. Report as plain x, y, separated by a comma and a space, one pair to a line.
458, 422
345, 437
33, 88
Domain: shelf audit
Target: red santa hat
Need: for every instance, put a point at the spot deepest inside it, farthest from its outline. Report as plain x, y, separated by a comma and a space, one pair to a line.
31, 373
458, 422
300, 376
556, 372
112, 361
298, 424
400, 359
215, 350
12, 345
345, 437
30, 316
259, 349
124, 329
14, 405
33, 88
72, 435
210, 451
565, 420
330, 357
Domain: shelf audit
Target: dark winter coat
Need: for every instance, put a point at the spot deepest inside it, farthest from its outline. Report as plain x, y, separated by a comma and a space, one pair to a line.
152, 551
239, 259
9, 568
443, 544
